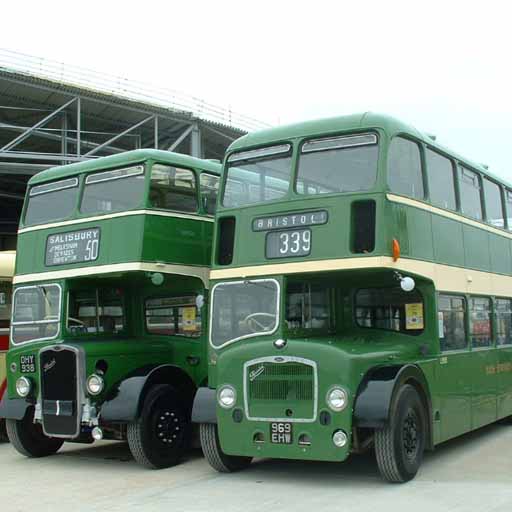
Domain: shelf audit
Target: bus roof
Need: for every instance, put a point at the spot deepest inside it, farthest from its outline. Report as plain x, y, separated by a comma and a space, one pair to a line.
128, 157
333, 125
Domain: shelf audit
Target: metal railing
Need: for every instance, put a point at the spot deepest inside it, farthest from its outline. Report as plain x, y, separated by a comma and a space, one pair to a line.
83, 78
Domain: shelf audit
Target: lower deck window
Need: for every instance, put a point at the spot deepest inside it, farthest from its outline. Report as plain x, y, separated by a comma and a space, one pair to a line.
391, 309
169, 316
480, 322
504, 321
452, 329
95, 311
307, 306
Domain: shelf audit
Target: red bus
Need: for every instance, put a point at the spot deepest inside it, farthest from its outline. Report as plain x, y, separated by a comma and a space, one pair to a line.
6, 272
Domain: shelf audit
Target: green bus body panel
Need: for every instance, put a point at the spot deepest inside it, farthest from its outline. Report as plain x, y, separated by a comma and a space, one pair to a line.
467, 389
134, 238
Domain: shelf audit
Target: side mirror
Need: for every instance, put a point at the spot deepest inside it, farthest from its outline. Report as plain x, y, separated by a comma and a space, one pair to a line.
199, 301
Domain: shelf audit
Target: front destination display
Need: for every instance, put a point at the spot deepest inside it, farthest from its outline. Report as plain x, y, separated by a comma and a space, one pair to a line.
109, 317
361, 297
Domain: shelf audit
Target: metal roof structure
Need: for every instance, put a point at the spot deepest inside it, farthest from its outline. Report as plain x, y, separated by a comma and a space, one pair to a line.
53, 113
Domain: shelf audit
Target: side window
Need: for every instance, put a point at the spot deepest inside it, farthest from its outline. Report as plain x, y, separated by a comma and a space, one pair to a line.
209, 184
470, 199
480, 322
307, 307
452, 326
404, 168
493, 204
173, 188
508, 203
173, 316
391, 309
441, 180
504, 321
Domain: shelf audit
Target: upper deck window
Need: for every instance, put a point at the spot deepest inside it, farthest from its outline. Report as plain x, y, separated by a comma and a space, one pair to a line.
441, 180
209, 184
470, 199
173, 188
257, 176
113, 191
493, 204
339, 164
51, 201
508, 204
404, 168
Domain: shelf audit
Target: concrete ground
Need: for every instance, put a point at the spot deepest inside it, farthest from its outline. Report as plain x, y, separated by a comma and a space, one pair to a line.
473, 473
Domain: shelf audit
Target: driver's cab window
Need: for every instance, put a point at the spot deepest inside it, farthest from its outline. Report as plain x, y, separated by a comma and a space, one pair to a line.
308, 306
173, 188
95, 311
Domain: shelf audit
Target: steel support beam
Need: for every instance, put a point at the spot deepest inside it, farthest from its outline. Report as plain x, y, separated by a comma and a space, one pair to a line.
219, 133
181, 138
156, 132
119, 135
49, 134
30, 130
196, 148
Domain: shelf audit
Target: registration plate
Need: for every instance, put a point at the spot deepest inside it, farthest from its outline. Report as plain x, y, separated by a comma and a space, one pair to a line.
28, 364
281, 432
288, 244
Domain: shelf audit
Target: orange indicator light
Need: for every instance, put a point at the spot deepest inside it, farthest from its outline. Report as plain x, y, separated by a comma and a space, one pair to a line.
396, 249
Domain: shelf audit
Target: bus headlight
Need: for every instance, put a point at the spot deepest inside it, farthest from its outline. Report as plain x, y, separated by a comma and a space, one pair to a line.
337, 399
95, 384
23, 387
227, 396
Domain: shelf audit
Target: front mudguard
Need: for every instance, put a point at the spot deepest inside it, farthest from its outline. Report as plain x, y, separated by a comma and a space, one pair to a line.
204, 408
13, 409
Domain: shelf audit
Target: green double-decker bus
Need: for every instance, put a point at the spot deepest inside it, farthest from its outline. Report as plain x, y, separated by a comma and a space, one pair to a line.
108, 326
361, 297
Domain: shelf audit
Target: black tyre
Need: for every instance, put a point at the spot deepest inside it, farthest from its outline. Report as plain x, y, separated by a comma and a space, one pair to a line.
3, 432
213, 453
161, 435
399, 446
28, 438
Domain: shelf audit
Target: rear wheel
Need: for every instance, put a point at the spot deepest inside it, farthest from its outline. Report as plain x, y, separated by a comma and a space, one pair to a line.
28, 438
213, 452
399, 446
161, 435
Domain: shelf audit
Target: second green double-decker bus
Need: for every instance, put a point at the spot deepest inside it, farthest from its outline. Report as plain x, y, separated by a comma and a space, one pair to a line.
361, 296
108, 330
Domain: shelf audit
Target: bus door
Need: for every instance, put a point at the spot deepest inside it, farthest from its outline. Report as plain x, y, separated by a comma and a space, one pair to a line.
483, 362
454, 368
503, 309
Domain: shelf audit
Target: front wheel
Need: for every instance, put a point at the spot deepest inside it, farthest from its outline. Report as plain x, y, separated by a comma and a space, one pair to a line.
160, 436
399, 446
3, 432
213, 452
28, 438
